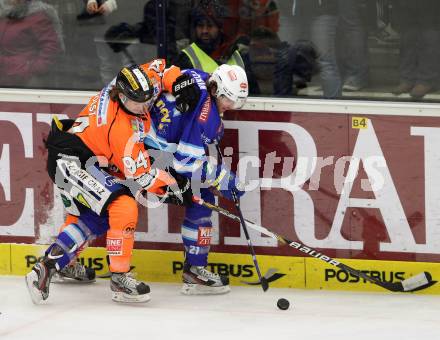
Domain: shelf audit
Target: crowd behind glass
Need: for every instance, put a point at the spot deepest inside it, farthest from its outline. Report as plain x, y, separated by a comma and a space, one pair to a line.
383, 49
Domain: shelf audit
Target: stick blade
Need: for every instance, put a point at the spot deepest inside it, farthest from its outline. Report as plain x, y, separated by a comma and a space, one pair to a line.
412, 284
418, 282
270, 276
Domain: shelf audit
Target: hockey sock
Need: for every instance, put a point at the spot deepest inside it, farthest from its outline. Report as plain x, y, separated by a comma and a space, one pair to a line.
68, 243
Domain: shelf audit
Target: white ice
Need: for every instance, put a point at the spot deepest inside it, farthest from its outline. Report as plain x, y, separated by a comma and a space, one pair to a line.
84, 312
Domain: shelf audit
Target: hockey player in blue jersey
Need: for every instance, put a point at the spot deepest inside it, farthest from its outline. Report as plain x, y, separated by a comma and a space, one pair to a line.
187, 136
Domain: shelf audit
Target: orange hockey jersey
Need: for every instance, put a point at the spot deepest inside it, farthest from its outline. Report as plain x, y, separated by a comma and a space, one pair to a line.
118, 136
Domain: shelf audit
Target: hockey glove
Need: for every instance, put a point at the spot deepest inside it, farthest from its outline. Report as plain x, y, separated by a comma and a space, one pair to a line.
227, 183
181, 192
187, 93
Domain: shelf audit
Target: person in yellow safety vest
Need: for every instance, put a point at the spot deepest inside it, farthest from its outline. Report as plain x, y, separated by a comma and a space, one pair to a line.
202, 61
211, 47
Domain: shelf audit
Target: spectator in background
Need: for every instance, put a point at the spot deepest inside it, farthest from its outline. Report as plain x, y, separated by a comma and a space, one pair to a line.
254, 14
280, 68
211, 47
295, 67
353, 49
318, 19
102, 8
96, 11
383, 12
147, 29
133, 42
419, 47
30, 41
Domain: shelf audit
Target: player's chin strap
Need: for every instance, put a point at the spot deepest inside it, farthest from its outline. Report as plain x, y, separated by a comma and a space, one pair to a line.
411, 284
262, 280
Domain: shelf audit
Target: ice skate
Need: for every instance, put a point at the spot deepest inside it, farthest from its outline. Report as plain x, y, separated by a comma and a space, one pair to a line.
198, 280
125, 288
75, 272
38, 281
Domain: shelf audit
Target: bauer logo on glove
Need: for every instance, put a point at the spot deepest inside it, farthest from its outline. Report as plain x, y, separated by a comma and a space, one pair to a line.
187, 93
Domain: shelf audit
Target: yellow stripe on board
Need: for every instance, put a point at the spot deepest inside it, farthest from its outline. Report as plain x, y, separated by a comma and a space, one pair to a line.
288, 271
5, 258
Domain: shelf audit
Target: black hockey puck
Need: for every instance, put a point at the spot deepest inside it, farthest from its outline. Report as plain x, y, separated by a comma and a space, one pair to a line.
283, 304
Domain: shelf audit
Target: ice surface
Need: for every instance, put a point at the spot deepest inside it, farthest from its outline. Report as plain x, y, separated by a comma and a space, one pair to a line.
78, 311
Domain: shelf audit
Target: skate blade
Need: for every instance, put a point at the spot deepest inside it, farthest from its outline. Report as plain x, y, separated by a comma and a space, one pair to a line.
35, 294
196, 289
57, 278
126, 298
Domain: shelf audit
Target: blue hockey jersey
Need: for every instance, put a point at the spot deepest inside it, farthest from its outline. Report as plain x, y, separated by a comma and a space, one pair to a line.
186, 135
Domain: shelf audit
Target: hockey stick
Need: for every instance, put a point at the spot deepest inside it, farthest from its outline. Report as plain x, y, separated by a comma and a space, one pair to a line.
263, 281
414, 283
271, 275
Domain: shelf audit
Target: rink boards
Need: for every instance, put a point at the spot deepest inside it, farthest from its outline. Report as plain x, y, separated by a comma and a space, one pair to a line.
351, 179
287, 271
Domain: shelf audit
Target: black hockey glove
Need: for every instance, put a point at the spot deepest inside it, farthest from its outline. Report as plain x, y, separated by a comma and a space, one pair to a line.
181, 194
187, 93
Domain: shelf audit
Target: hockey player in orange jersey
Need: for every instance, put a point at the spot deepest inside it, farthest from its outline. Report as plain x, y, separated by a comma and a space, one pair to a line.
100, 165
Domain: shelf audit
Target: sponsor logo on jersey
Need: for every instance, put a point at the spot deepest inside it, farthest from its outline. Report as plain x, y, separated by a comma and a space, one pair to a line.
94, 104
129, 230
164, 115
114, 246
204, 112
110, 181
156, 66
205, 139
156, 87
134, 125
80, 198
67, 203
139, 130
101, 115
198, 79
146, 179
84, 179
204, 236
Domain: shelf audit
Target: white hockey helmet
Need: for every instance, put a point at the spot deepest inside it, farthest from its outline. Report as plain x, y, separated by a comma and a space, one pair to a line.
232, 83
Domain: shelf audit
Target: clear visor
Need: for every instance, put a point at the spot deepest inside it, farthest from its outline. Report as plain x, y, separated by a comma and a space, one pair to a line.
239, 103
139, 107
235, 102
232, 103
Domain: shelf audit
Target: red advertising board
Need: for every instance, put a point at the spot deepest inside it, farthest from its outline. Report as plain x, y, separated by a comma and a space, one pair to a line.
353, 186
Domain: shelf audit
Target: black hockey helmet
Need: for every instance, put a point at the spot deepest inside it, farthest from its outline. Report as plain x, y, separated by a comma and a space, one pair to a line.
134, 83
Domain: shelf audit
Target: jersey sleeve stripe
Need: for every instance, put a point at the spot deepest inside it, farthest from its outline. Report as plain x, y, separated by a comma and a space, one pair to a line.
191, 150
